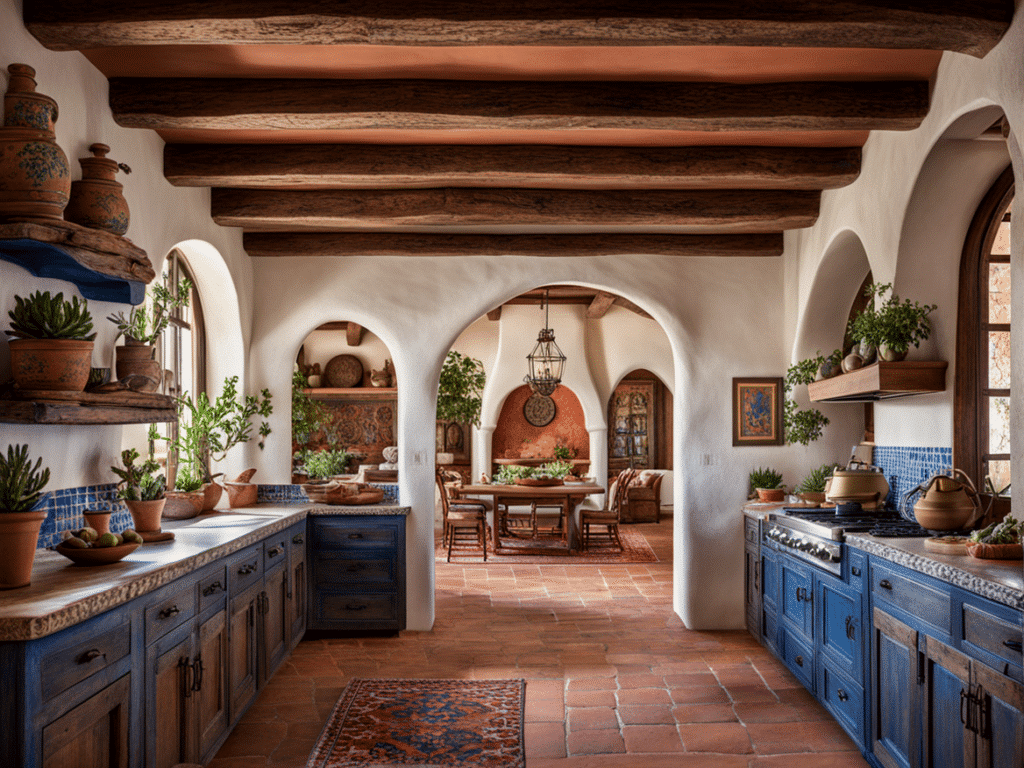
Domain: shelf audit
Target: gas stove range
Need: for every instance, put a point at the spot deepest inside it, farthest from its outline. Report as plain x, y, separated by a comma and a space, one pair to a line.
816, 535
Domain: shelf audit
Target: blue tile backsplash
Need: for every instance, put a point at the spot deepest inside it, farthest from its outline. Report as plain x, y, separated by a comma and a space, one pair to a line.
906, 468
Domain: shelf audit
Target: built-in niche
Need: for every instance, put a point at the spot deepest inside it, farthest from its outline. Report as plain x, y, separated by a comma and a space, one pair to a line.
531, 426
639, 424
351, 376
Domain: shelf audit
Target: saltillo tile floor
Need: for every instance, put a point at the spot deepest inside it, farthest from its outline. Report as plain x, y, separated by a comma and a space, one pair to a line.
614, 680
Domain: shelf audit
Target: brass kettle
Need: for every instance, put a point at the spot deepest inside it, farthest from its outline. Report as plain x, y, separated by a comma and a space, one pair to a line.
948, 502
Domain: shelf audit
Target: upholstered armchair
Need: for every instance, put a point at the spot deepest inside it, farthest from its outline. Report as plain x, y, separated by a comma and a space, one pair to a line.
643, 498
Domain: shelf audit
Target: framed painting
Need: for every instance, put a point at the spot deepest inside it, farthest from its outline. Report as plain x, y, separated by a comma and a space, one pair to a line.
757, 411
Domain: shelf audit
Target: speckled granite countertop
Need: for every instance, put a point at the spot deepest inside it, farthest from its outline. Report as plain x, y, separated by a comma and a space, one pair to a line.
63, 594
760, 510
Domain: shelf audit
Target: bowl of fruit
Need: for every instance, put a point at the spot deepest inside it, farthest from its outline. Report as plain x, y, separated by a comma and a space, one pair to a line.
87, 547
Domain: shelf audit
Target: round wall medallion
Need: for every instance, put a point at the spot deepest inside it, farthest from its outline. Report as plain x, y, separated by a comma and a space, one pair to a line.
344, 371
539, 410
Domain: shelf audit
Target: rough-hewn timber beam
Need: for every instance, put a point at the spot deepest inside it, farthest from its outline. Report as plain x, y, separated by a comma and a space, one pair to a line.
971, 27
360, 166
730, 210
269, 104
627, 304
600, 305
271, 244
354, 334
494, 315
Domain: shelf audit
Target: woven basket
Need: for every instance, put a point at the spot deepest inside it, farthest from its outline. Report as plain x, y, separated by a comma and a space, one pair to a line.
995, 551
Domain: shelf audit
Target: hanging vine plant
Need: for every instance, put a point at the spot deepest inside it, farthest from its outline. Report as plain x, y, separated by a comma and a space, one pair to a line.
803, 425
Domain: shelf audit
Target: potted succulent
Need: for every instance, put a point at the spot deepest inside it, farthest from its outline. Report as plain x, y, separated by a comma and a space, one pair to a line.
766, 483
459, 393
52, 348
21, 487
142, 490
141, 329
812, 487
892, 326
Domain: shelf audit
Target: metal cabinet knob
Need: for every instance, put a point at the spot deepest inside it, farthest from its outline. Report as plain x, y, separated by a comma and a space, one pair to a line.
842, 695
166, 613
885, 584
799, 660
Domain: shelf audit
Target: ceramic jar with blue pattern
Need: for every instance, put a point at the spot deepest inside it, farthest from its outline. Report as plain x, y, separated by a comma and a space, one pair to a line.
97, 200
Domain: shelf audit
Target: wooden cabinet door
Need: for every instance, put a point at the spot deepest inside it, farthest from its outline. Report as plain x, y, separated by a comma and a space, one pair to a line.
297, 598
93, 734
210, 702
168, 676
895, 713
752, 593
1001, 722
839, 632
946, 707
276, 624
242, 634
796, 595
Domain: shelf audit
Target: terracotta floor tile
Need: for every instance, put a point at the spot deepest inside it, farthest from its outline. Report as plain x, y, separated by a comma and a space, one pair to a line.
704, 713
658, 696
651, 738
590, 699
592, 718
544, 740
544, 710
595, 742
730, 738
645, 714
700, 694
766, 712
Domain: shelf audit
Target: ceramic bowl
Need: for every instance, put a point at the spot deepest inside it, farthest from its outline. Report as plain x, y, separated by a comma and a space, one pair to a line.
96, 555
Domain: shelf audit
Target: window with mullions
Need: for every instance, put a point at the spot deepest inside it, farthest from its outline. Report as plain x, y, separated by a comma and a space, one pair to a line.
982, 399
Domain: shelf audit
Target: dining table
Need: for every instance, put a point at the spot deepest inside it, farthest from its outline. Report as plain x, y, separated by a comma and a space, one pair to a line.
567, 495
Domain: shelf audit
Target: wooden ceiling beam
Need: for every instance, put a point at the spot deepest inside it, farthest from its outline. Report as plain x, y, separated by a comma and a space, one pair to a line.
494, 315
305, 244
627, 304
302, 104
728, 211
600, 305
361, 166
968, 27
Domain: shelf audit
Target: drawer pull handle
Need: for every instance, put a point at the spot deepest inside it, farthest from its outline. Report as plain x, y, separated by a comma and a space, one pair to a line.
275, 551
352, 607
297, 538
854, 570
167, 613
91, 655
843, 695
213, 589
1014, 645
885, 584
246, 569
802, 595
799, 660
355, 535
851, 628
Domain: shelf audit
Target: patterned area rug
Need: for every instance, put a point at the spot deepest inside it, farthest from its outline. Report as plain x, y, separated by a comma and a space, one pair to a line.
424, 723
635, 549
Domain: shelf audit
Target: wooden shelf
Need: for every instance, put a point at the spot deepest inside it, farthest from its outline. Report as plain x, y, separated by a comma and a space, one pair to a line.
104, 266
352, 393
86, 408
881, 381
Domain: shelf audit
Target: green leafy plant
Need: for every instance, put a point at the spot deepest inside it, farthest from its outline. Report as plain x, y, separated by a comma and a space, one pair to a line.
140, 481
308, 415
509, 473
147, 321
894, 323
326, 463
564, 453
816, 479
460, 389
21, 483
188, 479
556, 469
42, 316
765, 477
803, 426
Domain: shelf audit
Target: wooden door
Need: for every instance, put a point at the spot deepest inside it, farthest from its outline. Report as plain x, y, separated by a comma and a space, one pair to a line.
210, 701
895, 713
93, 734
1001, 723
168, 686
276, 623
631, 422
242, 671
947, 742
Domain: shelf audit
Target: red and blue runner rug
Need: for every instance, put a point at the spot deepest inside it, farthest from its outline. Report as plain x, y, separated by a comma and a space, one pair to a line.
424, 723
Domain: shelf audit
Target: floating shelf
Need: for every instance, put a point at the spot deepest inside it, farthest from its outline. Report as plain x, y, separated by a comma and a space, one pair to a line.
352, 393
86, 408
881, 381
104, 266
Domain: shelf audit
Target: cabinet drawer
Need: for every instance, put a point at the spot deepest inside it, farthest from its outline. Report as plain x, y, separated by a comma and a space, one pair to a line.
245, 569
336, 534
357, 608
364, 569
212, 588
66, 667
297, 543
844, 699
915, 597
799, 657
170, 612
751, 529
857, 563
275, 551
987, 635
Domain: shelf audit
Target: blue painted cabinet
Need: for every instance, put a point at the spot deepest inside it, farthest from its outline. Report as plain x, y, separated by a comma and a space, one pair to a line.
895, 698
769, 561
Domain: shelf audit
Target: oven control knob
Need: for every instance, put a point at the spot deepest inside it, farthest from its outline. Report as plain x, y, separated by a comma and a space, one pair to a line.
805, 546
834, 557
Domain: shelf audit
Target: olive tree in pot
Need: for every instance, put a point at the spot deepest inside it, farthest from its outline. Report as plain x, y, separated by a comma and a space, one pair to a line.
52, 348
142, 490
459, 394
141, 329
21, 487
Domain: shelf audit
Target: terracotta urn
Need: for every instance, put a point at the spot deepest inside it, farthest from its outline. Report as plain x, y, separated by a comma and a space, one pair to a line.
61, 365
98, 520
20, 534
97, 200
146, 514
35, 178
137, 359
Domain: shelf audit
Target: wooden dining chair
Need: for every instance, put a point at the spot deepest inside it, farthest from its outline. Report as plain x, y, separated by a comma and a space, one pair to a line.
607, 518
464, 522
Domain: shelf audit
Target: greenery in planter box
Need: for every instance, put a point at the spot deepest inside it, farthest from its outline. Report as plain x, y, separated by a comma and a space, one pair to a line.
803, 426
816, 479
325, 463
21, 483
893, 324
460, 389
140, 481
509, 473
557, 469
42, 316
766, 478
144, 324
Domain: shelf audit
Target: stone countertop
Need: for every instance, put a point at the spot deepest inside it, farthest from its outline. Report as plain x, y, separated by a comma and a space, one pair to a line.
63, 594
998, 580
760, 510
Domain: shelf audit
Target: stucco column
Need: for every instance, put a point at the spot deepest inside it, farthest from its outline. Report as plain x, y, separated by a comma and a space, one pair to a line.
598, 458
482, 452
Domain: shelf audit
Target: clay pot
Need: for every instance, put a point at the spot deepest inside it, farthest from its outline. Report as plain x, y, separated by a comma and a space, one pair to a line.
20, 534
35, 178
852, 362
139, 360
771, 494
241, 494
183, 505
146, 514
61, 365
97, 200
98, 520
211, 495
886, 354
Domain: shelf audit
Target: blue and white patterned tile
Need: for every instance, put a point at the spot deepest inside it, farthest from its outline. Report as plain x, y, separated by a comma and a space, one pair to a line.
907, 467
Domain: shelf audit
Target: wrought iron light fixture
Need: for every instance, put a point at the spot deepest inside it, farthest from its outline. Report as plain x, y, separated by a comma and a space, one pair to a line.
546, 361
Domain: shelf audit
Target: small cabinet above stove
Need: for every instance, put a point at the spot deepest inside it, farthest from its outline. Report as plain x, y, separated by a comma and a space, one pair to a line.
881, 381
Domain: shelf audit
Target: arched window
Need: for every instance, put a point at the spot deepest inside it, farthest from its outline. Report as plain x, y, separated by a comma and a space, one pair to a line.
981, 440
183, 344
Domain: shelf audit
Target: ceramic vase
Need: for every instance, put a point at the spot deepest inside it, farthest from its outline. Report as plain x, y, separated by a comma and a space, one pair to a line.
138, 360
35, 178
242, 493
889, 356
866, 351
97, 200
61, 365
146, 514
852, 362
98, 520
20, 534
211, 495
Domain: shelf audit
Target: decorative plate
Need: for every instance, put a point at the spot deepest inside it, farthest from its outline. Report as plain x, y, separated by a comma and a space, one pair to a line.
344, 371
539, 410
96, 555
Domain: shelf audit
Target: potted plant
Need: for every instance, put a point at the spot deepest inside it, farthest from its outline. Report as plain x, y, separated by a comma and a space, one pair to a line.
320, 465
766, 483
803, 425
308, 418
892, 326
52, 348
21, 487
460, 393
141, 329
142, 490
812, 487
